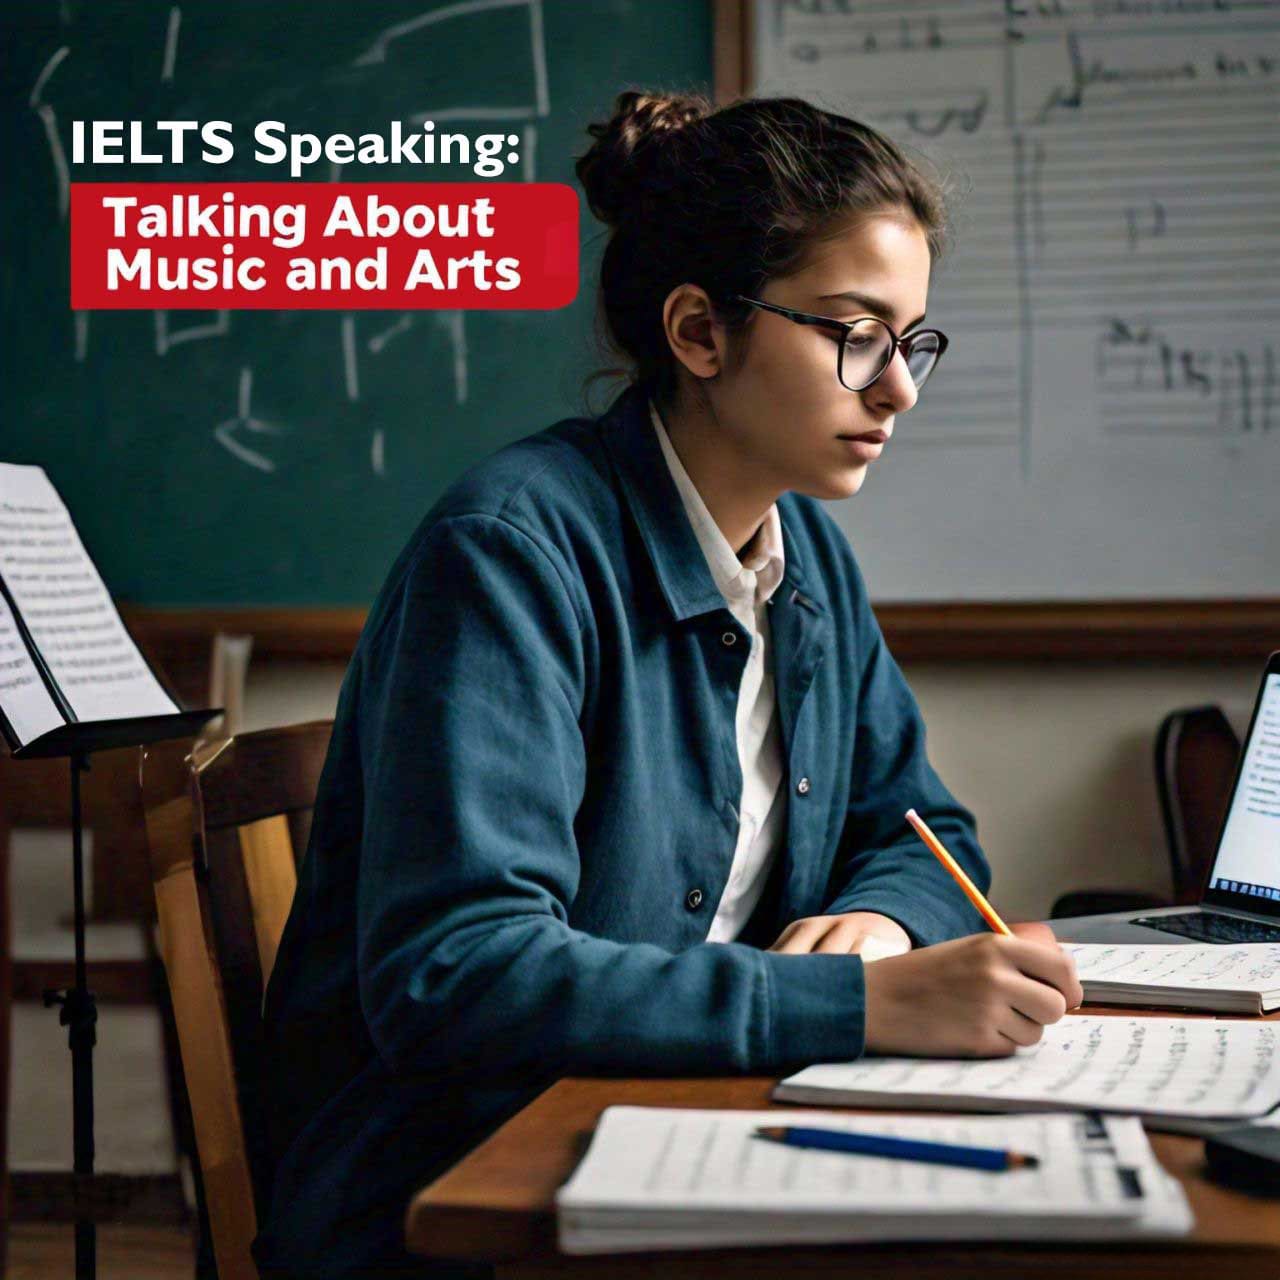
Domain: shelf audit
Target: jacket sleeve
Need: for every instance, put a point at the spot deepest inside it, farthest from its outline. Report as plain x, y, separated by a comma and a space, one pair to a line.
471, 692
881, 864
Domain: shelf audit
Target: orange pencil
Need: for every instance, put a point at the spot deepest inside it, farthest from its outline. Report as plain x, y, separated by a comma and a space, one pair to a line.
971, 890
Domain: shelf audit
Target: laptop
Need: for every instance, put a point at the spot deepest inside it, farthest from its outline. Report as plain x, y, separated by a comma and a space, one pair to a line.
1241, 898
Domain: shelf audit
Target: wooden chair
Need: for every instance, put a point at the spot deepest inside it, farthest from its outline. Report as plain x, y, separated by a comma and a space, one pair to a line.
1196, 755
226, 824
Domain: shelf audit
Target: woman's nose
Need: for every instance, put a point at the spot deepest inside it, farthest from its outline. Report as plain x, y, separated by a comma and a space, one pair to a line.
894, 388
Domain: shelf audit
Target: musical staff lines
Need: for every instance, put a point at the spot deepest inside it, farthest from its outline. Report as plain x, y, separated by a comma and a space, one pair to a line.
1119, 191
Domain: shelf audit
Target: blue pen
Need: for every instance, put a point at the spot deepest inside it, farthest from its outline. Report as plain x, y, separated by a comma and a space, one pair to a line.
875, 1144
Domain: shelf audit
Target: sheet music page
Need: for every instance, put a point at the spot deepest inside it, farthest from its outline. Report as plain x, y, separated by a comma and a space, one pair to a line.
23, 698
66, 606
1112, 291
654, 1158
1251, 966
1160, 1066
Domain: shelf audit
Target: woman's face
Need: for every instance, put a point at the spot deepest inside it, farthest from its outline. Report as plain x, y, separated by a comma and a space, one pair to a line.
786, 413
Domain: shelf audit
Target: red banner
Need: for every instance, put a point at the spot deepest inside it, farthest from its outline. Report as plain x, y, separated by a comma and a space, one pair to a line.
299, 245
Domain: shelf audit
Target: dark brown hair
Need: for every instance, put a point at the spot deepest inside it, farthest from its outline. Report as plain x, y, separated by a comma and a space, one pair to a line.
727, 199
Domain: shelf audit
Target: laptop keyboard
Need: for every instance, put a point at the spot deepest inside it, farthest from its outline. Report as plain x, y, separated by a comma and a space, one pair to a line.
1208, 926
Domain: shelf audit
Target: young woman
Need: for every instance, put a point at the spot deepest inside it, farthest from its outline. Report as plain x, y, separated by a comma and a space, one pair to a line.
620, 765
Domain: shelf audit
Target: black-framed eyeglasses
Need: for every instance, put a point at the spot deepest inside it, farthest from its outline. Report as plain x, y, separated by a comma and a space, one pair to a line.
867, 345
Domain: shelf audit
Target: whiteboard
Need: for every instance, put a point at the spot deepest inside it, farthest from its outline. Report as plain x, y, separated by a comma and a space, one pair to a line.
1106, 422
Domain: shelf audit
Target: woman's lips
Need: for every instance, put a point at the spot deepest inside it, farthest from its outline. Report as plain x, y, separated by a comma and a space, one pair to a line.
869, 437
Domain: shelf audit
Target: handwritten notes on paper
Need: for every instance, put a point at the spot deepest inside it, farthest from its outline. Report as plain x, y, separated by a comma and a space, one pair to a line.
659, 1177
1232, 979
1172, 1067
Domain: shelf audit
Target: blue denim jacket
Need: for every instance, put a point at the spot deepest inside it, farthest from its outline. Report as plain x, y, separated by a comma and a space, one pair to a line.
526, 820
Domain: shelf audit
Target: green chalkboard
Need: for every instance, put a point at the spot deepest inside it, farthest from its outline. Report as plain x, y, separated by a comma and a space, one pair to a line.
282, 458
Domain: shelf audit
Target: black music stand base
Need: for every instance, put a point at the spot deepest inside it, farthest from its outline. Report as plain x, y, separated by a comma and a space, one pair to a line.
79, 1014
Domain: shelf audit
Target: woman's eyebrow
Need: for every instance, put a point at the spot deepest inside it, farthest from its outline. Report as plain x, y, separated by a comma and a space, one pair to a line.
873, 305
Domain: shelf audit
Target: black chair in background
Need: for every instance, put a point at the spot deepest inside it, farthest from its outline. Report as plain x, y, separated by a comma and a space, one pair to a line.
1196, 752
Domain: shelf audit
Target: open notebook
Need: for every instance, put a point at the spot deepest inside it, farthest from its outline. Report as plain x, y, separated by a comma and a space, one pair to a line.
658, 1178
1172, 1070
1238, 978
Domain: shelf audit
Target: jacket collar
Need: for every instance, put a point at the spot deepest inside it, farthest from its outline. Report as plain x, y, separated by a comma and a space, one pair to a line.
658, 510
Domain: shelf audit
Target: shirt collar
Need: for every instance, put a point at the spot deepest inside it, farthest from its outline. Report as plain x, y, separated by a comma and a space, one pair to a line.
759, 570
650, 492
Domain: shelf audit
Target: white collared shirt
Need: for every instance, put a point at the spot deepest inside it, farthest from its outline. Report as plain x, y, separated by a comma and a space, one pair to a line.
746, 585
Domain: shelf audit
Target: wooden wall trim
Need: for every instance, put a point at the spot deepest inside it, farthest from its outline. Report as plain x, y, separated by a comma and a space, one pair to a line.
1160, 629
731, 48
278, 632
1092, 631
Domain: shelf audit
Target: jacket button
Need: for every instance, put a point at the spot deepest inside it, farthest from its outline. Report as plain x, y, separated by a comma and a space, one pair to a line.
693, 899
803, 786
728, 638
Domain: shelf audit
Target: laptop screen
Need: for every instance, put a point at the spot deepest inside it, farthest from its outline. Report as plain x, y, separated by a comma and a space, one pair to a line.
1246, 872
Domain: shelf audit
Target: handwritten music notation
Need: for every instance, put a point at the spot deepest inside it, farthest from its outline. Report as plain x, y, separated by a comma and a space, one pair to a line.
1116, 181
1150, 1066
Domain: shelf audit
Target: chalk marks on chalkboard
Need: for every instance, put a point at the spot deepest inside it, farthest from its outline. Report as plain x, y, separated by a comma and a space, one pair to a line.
171, 44
385, 39
49, 123
528, 150
243, 435
167, 338
454, 324
389, 334
228, 432
46, 71
350, 369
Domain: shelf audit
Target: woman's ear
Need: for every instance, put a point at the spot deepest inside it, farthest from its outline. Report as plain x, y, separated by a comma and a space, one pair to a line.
693, 334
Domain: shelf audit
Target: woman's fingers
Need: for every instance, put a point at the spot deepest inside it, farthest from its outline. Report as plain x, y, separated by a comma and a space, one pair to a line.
1037, 1000
841, 939
1034, 931
1022, 1029
799, 938
1047, 964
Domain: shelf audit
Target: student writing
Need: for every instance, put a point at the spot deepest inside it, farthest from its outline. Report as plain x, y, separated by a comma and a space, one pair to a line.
619, 765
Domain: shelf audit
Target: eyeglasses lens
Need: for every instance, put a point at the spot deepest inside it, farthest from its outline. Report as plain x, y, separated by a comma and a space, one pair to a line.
869, 348
922, 355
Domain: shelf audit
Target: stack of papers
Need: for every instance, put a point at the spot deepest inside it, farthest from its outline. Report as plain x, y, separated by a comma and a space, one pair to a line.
1177, 1071
1244, 978
658, 1178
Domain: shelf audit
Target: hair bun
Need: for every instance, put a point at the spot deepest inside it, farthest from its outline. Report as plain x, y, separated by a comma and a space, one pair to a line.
613, 170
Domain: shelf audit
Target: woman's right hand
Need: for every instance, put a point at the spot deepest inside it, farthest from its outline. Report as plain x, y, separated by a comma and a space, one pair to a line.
976, 997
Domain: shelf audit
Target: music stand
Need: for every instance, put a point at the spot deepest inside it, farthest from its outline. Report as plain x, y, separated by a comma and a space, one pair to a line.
78, 1009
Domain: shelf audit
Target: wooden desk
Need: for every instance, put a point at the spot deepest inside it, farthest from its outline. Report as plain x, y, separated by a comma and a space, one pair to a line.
497, 1205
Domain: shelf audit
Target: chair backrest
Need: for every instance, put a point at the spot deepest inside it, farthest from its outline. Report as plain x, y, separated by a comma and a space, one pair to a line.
1196, 755
226, 825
